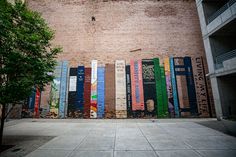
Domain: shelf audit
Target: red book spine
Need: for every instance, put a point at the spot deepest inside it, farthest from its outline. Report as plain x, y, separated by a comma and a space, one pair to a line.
110, 91
36, 105
137, 85
87, 92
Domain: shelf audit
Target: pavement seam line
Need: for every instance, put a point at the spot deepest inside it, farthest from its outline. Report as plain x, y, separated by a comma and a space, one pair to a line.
148, 141
114, 141
70, 154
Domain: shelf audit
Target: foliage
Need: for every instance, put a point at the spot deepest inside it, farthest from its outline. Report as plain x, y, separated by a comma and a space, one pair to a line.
27, 58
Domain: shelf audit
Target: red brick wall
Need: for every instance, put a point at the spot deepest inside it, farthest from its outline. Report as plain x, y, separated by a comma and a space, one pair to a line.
155, 28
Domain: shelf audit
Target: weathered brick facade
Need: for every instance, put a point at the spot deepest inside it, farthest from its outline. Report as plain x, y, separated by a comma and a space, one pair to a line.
123, 29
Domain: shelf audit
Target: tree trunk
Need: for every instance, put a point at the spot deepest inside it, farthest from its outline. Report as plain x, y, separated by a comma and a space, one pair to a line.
2, 124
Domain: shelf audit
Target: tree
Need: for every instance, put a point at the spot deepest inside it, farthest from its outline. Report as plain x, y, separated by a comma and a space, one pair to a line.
27, 58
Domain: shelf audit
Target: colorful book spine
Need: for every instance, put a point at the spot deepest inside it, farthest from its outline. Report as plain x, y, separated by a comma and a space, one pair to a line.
110, 91
181, 80
171, 108
164, 92
190, 86
149, 88
137, 85
101, 92
174, 88
37, 103
128, 91
72, 92
63, 89
120, 83
87, 92
55, 91
157, 71
80, 92
93, 106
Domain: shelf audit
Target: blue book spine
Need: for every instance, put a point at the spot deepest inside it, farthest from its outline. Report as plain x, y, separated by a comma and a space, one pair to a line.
63, 89
191, 86
174, 87
80, 91
31, 102
101, 92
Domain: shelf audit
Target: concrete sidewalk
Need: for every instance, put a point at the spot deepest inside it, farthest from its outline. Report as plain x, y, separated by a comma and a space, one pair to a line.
125, 138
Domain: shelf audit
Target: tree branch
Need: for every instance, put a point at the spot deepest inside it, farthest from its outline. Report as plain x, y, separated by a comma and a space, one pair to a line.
9, 111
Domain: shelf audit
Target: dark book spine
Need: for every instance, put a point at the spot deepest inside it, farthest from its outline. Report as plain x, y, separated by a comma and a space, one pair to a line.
191, 86
149, 87
80, 92
72, 93
128, 91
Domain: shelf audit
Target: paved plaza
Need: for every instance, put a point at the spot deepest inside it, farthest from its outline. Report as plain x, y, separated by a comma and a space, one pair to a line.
123, 138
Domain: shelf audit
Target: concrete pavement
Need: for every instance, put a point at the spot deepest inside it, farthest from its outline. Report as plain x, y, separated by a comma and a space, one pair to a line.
125, 138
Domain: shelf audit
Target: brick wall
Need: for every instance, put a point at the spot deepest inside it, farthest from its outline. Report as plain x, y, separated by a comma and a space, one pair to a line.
123, 29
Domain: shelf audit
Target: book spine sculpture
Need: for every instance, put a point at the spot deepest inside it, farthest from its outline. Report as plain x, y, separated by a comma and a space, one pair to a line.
171, 108
28, 112
87, 92
45, 102
128, 92
80, 93
101, 92
181, 80
72, 93
110, 91
201, 87
93, 106
120, 83
191, 86
164, 92
159, 96
137, 88
55, 91
63, 89
37, 103
174, 88
149, 88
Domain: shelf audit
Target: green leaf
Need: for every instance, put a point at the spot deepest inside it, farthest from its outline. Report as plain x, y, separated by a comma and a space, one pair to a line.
26, 55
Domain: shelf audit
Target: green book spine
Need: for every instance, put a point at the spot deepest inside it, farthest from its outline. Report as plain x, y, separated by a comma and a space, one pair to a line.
159, 96
164, 94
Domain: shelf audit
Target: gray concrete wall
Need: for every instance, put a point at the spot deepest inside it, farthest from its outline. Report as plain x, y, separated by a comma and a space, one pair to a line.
222, 44
204, 11
217, 98
210, 61
227, 16
223, 91
228, 95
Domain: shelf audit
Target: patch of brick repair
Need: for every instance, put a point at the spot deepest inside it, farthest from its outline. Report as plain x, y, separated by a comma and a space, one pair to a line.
163, 10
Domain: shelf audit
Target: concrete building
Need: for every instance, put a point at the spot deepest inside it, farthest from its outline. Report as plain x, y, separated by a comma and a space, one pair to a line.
218, 25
